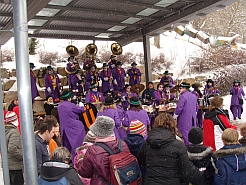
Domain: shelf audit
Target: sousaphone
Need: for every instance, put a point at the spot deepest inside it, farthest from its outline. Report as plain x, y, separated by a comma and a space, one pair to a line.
72, 50
91, 49
116, 49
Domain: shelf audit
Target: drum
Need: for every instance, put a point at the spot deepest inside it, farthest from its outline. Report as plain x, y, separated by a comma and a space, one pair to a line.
148, 108
171, 107
201, 103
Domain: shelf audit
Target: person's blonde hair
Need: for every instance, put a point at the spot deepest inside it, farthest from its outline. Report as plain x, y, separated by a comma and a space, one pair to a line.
166, 121
216, 102
113, 106
243, 130
230, 136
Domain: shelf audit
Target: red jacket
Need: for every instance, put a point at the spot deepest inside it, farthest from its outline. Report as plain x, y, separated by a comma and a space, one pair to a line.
95, 164
16, 110
212, 131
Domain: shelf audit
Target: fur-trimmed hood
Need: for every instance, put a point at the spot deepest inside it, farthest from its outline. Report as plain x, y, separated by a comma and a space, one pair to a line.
201, 155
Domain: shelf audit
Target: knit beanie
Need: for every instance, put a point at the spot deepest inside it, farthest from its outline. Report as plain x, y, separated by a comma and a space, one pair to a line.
195, 135
103, 126
90, 137
11, 117
137, 127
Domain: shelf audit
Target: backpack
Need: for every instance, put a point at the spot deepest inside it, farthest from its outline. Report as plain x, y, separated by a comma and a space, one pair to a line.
124, 168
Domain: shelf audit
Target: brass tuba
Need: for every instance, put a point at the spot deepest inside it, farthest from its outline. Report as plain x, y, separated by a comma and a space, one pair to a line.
72, 50
116, 49
91, 49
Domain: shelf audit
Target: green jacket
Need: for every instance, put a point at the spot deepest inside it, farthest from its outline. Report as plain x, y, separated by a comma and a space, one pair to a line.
14, 147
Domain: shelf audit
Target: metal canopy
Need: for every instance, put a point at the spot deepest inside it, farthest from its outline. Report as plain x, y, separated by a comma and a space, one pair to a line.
123, 21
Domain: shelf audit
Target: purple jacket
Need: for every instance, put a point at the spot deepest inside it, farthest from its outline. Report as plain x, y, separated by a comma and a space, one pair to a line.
119, 76
135, 76
112, 113
55, 90
236, 92
86, 65
208, 92
142, 116
34, 89
105, 77
125, 103
186, 111
169, 78
121, 113
158, 96
70, 69
112, 64
90, 97
75, 84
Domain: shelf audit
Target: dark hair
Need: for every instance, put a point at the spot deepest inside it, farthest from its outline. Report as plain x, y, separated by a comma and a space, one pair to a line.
150, 83
159, 85
135, 108
47, 123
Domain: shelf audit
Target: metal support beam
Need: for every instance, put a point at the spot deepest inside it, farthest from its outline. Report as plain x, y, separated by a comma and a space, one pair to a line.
24, 91
147, 58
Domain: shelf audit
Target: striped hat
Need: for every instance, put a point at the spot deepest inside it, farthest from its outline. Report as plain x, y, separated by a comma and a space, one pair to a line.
137, 127
11, 117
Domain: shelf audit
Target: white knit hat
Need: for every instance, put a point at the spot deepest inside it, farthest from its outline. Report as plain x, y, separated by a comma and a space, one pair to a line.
103, 126
11, 117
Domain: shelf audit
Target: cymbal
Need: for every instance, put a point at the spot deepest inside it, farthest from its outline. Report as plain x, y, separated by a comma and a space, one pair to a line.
175, 89
214, 88
137, 88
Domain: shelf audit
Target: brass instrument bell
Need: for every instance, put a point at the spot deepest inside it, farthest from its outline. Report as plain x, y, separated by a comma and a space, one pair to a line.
91, 49
72, 50
116, 49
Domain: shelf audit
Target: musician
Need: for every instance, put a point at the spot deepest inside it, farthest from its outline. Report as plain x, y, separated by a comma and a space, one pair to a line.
77, 83
119, 75
93, 95
237, 99
88, 63
159, 95
52, 84
134, 74
112, 62
71, 128
148, 92
92, 77
126, 95
70, 68
167, 77
168, 95
185, 112
34, 89
196, 91
109, 93
207, 92
107, 79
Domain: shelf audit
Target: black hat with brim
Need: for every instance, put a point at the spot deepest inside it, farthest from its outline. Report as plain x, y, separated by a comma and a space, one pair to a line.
185, 85
236, 81
134, 100
66, 94
134, 64
117, 99
32, 65
93, 86
119, 63
112, 56
210, 81
108, 100
166, 73
49, 68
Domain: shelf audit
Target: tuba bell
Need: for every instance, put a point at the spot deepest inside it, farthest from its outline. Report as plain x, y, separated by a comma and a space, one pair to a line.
116, 49
72, 50
91, 49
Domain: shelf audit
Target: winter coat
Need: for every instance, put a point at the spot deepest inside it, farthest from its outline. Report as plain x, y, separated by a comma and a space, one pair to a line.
134, 143
201, 157
58, 173
231, 165
48, 108
166, 160
214, 123
95, 164
14, 147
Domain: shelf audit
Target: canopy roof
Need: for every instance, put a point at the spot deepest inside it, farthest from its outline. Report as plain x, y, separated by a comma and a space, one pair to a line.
123, 21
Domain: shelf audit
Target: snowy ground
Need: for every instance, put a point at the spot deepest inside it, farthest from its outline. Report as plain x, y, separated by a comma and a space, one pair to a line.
1, 172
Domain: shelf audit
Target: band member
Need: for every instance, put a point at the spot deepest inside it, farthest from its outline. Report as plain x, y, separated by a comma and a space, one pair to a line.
77, 83
159, 95
134, 74
52, 84
126, 95
237, 99
92, 77
186, 111
209, 85
119, 75
167, 77
107, 79
88, 63
168, 95
34, 89
148, 92
198, 94
93, 95
112, 62
70, 68
71, 128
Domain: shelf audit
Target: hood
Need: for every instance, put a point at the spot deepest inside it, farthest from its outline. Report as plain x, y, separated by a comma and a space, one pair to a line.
134, 142
234, 156
8, 127
53, 171
160, 137
214, 112
201, 155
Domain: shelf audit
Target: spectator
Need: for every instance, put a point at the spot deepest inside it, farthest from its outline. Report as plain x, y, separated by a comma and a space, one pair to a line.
231, 160
165, 157
58, 171
243, 133
48, 105
13, 104
95, 164
14, 149
200, 155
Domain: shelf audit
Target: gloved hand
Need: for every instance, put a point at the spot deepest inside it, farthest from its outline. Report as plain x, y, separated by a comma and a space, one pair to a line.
92, 77
113, 66
115, 82
77, 84
175, 116
49, 90
81, 104
124, 98
105, 78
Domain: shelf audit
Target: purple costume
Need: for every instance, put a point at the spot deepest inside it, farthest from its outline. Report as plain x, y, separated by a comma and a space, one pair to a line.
208, 92
236, 107
170, 79
70, 69
91, 77
121, 113
135, 76
125, 97
87, 64
199, 112
158, 96
112, 113
94, 97
186, 111
72, 129
34, 89
106, 83
75, 85
119, 77
142, 116
112, 64
52, 83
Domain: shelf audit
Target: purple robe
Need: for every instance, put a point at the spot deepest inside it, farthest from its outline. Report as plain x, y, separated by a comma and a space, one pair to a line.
121, 113
208, 92
199, 115
158, 96
71, 128
75, 85
90, 97
236, 108
70, 69
125, 99
135, 76
112, 113
171, 82
91, 77
142, 116
106, 83
55, 87
186, 111
87, 64
34, 89
119, 76
112, 64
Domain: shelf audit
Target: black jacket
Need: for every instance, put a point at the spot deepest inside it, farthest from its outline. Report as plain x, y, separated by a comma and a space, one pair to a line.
134, 143
147, 93
54, 171
166, 160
